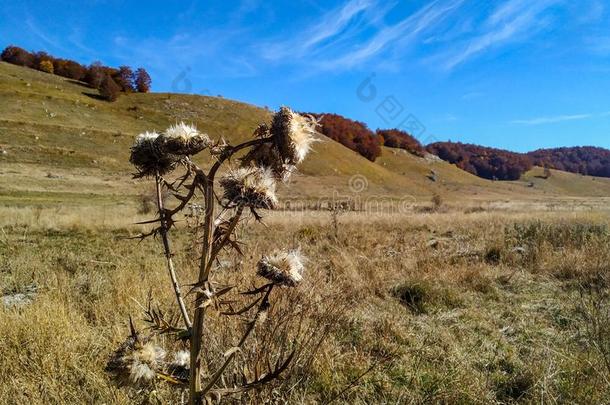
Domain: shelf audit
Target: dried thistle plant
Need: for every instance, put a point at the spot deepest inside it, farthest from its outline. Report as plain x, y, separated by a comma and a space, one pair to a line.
282, 268
271, 156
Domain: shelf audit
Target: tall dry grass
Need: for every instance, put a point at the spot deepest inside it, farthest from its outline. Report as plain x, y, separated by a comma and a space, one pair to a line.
439, 308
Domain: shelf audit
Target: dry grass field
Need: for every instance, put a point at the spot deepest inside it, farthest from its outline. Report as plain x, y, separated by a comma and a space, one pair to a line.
498, 292
452, 307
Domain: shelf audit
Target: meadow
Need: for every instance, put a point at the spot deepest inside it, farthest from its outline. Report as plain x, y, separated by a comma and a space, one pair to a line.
452, 306
457, 290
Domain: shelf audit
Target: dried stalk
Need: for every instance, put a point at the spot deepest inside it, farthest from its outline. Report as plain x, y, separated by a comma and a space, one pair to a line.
227, 236
195, 389
168, 254
262, 307
156, 154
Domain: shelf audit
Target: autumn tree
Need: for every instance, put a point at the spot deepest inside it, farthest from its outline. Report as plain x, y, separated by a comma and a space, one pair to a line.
109, 90
587, 160
70, 69
42, 56
125, 79
396, 138
17, 56
95, 75
351, 134
488, 163
46, 66
142, 81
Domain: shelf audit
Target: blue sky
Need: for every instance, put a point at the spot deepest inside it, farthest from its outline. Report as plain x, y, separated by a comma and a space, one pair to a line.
515, 74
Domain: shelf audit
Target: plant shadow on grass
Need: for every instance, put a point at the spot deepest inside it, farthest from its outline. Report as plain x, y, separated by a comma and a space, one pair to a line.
412, 296
94, 96
79, 83
423, 297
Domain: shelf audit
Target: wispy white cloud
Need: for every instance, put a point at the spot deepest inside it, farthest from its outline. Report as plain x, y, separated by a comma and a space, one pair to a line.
554, 119
355, 34
513, 20
37, 31
397, 36
449, 117
64, 44
452, 33
334, 22
332, 27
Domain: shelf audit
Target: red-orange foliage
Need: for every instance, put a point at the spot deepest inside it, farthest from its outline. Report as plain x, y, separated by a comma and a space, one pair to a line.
93, 75
45, 66
492, 163
109, 90
588, 160
125, 79
395, 138
18, 56
489, 163
142, 80
352, 134
70, 69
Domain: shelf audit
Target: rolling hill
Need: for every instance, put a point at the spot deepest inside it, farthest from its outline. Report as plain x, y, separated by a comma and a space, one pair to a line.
59, 141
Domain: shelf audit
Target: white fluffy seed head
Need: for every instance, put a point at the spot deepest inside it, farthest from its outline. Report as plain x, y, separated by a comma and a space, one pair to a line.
136, 361
149, 158
140, 373
181, 130
182, 358
145, 137
143, 362
293, 135
250, 186
282, 267
183, 140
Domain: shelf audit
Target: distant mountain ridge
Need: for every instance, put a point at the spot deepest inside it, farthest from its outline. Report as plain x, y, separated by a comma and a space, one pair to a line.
587, 160
482, 161
499, 164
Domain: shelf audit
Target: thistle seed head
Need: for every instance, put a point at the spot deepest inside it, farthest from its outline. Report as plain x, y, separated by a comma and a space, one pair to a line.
136, 361
250, 186
146, 137
266, 155
183, 139
181, 131
148, 158
154, 153
182, 358
180, 365
143, 363
283, 268
293, 135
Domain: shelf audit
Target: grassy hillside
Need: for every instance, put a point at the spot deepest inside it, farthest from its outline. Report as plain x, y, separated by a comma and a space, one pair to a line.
452, 180
59, 137
55, 123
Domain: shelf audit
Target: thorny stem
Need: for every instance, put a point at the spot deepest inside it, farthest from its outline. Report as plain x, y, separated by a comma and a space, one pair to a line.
168, 255
227, 235
234, 150
262, 307
195, 366
195, 397
198, 180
